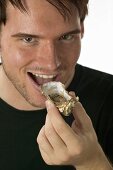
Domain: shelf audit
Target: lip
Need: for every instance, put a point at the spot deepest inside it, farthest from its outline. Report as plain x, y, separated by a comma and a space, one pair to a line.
36, 85
45, 76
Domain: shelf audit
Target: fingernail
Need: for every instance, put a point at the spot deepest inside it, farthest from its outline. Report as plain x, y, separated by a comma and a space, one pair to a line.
49, 104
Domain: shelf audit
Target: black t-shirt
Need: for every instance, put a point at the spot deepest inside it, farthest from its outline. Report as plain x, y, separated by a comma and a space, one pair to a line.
19, 129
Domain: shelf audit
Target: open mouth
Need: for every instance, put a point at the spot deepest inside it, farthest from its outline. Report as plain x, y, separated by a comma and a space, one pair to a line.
40, 79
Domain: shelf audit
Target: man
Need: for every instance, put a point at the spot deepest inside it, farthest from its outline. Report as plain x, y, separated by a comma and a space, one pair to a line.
40, 42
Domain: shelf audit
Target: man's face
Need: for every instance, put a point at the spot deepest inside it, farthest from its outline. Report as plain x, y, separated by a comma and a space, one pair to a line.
39, 46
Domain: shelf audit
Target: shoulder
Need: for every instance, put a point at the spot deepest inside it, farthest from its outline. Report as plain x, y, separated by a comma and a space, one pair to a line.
93, 74
91, 79
95, 90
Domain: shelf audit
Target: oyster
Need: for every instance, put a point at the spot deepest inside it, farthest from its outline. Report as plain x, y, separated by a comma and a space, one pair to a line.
56, 92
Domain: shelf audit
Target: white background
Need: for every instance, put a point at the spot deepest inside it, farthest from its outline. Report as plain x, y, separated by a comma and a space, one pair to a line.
97, 44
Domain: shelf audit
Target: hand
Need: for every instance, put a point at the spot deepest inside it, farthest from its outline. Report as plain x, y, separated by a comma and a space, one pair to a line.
61, 144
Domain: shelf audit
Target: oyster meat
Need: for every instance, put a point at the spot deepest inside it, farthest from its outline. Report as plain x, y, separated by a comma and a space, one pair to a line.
56, 92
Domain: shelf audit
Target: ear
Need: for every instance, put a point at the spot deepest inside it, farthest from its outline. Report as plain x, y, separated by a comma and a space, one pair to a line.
82, 29
0, 42
0, 47
0, 53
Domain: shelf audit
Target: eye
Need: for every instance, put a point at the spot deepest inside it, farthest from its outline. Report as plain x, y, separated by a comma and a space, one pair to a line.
67, 37
29, 39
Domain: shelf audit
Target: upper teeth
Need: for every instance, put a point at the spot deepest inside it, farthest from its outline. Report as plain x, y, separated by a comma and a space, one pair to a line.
44, 76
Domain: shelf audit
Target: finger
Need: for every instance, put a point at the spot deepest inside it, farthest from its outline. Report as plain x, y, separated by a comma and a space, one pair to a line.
76, 125
82, 120
52, 136
45, 157
72, 93
44, 144
81, 117
76, 98
60, 126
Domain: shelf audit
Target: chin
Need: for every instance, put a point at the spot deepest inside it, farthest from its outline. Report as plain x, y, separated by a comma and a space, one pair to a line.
39, 103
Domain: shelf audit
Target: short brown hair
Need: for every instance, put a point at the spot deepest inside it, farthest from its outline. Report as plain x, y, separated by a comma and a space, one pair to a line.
63, 7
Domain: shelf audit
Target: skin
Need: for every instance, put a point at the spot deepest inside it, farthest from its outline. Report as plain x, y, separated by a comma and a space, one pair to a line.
61, 144
53, 49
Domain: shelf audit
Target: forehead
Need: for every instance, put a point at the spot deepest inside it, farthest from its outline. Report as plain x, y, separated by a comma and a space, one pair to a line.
41, 15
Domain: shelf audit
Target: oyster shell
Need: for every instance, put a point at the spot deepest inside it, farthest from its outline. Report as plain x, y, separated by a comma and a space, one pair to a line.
56, 92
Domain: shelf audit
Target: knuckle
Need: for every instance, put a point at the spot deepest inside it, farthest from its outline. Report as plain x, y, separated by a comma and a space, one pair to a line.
48, 132
41, 136
61, 128
47, 160
76, 151
64, 157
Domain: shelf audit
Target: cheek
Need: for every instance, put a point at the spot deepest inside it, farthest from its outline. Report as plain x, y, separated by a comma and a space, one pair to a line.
70, 48
71, 54
17, 57
21, 57
14, 55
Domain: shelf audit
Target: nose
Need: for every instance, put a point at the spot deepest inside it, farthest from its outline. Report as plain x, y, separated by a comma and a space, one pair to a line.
50, 55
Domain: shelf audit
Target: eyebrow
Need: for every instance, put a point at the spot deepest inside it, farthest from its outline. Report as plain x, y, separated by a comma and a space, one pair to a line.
22, 34
76, 31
